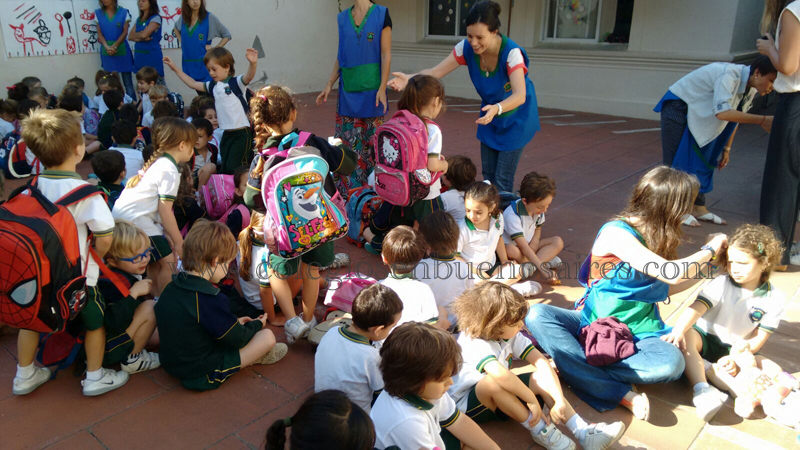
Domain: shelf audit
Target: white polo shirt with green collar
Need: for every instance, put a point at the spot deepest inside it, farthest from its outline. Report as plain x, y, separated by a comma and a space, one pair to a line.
411, 422
139, 204
419, 304
447, 277
348, 362
477, 246
518, 223
733, 313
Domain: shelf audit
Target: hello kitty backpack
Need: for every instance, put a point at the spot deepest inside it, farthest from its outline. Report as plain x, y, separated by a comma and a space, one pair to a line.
401, 160
303, 207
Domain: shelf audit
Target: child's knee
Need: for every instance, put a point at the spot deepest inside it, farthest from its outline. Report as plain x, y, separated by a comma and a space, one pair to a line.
147, 310
266, 338
558, 242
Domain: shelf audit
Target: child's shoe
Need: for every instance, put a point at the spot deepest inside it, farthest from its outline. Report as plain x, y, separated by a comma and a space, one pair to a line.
339, 260
527, 288
110, 380
371, 248
23, 386
600, 436
552, 438
311, 324
295, 328
275, 354
141, 362
707, 402
553, 263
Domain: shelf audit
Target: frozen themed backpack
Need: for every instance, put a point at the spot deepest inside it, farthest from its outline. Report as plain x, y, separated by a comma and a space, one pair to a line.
303, 208
401, 160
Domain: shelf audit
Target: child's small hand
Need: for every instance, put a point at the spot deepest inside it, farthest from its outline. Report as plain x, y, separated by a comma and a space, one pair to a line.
380, 98
675, 339
244, 320
252, 55
141, 288
536, 414
263, 319
209, 47
168, 62
558, 412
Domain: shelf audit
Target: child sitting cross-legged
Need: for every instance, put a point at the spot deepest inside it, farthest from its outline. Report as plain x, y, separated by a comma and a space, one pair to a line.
417, 364
346, 359
202, 343
523, 221
403, 248
129, 319
490, 317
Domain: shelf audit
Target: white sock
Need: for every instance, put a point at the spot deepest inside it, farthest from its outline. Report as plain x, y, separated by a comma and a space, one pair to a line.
94, 375
26, 372
577, 426
536, 428
699, 386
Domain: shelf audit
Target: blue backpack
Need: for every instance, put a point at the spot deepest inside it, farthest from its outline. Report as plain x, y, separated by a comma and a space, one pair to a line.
362, 204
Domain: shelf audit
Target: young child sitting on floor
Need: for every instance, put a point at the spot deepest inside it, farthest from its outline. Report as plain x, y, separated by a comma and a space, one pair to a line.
346, 359
123, 133
185, 207
461, 172
490, 317
253, 279
109, 166
740, 308
205, 153
202, 343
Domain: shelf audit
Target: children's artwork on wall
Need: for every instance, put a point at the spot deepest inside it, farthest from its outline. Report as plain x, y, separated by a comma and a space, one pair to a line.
38, 28
65, 27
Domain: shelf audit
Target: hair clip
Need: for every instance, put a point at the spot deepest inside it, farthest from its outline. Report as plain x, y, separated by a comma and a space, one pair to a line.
263, 97
10, 88
140, 172
761, 248
287, 422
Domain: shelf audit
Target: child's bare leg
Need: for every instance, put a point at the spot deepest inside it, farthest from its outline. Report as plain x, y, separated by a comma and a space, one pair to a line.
283, 293
142, 326
259, 345
27, 343
154, 340
493, 396
514, 254
695, 368
549, 248
537, 378
95, 345
504, 274
310, 273
269, 307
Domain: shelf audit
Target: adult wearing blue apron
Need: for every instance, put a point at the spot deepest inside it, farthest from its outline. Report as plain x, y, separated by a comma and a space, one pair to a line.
699, 116
362, 68
498, 68
147, 39
112, 32
195, 30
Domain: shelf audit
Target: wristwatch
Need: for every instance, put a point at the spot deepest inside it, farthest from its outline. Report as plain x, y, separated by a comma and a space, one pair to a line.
711, 249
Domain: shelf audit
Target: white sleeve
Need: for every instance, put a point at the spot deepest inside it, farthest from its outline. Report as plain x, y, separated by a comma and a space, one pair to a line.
127, 15
773, 317
513, 222
95, 214
522, 346
458, 52
448, 412
242, 86
713, 292
168, 184
429, 308
725, 88
412, 433
516, 61
374, 373
434, 139
462, 237
539, 220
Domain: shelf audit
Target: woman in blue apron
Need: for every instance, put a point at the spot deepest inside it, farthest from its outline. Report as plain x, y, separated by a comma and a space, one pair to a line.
362, 68
195, 29
498, 68
112, 32
147, 38
699, 116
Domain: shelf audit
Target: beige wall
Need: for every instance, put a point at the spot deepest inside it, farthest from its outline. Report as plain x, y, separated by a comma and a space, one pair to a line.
298, 36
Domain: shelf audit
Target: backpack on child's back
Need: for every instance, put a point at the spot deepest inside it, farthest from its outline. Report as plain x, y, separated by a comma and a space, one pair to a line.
12, 157
342, 291
296, 189
401, 160
362, 204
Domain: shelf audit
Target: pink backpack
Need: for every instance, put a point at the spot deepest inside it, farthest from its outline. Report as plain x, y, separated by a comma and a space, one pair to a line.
217, 195
242, 209
343, 290
401, 160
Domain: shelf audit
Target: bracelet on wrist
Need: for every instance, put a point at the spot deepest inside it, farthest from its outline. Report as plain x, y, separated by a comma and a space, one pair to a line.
763, 119
499, 108
711, 249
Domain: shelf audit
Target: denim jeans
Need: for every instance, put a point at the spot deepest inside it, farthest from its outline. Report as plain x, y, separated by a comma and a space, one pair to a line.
127, 82
602, 388
500, 168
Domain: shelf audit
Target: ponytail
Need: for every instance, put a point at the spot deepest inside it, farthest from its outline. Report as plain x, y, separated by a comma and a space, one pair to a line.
276, 435
246, 238
420, 91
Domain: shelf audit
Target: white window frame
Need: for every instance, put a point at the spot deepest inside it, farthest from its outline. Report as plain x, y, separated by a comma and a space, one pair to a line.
546, 18
453, 37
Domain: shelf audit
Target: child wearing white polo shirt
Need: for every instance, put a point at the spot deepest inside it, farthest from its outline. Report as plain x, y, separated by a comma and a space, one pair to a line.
480, 243
417, 363
345, 359
739, 309
447, 276
523, 233
485, 389
403, 249
461, 172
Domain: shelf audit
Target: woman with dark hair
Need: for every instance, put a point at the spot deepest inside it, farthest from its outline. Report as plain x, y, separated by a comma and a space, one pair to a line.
146, 36
699, 117
498, 68
195, 29
780, 190
631, 268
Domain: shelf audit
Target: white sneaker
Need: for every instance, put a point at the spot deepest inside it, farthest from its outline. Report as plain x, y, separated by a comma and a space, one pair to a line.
795, 259
551, 437
553, 263
527, 270
311, 324
527, 288
23, 386
295, 329
600, 436
708, 402
110, 380
795, 248
144, 361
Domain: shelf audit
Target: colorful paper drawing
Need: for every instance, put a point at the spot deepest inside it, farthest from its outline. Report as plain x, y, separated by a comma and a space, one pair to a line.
36, 28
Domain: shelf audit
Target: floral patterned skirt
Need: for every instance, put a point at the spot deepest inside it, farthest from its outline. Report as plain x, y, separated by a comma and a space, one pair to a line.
356, 133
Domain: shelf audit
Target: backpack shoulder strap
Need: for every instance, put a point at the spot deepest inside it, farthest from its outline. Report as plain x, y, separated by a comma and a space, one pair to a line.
302, 138
234, 85
210, 87
115, 278
80, 193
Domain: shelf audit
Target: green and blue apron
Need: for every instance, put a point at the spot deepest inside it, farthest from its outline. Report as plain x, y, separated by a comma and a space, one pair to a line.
194, 41
148, 53
112, 28
360, 63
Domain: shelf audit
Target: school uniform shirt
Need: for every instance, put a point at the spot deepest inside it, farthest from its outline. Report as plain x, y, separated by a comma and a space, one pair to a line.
230, 113
251, 290
196, 327
348, 362
133, 159
733, 314
419, 304
434, 148
147, 119
101, 105
787, 83
200, 161
32, 160
447, 278
453, 202
477, 353
139, 204
518, 223
147, 105
91, 214
119, 308
5, 127
710, 90
411, 422
478, 246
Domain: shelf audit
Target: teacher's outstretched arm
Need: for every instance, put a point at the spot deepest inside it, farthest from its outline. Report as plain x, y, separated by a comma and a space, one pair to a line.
516, 99
449, 64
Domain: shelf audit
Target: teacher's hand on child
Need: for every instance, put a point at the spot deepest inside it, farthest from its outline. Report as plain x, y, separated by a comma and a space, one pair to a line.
675, 339
380, 98
168, 62
491, 111
399, 82
717, 241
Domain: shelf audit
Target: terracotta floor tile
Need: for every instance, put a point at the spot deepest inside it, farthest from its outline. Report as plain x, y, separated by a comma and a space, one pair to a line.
82, 440
761, 434
298, 380
255, 433
230, 443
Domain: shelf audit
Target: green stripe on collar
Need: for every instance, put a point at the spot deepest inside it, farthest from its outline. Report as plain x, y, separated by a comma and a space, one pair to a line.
450, 257
763, 290
402, 276
172, 160
417, 402
353, 337
520, 207
469, 223
60, 174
